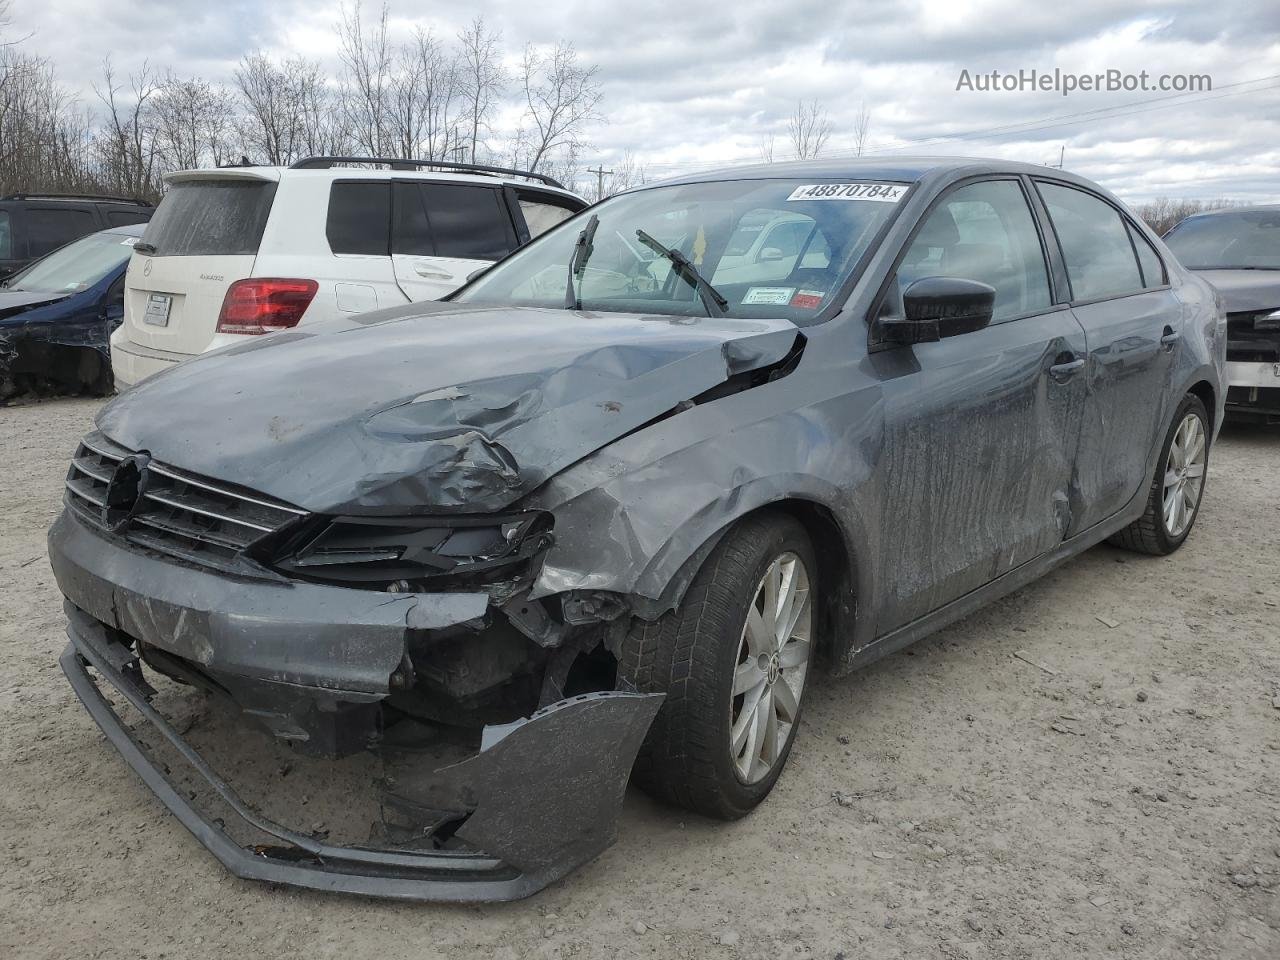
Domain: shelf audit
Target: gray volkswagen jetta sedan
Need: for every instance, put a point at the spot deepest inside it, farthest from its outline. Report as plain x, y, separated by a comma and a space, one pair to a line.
606, 513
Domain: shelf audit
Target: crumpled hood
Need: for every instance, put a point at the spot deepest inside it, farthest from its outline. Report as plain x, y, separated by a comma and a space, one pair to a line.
14, 302
1246, 290
455, 407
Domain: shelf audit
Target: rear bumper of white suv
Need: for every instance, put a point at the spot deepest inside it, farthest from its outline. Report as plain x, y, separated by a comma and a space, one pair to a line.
132, 363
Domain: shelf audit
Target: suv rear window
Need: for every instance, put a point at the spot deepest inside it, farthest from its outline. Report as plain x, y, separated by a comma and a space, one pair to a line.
211, 218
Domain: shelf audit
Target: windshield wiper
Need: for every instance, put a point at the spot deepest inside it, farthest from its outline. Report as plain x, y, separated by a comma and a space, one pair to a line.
582, 250
716, 304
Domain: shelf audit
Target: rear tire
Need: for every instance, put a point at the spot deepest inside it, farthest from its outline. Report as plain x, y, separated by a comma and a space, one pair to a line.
1173, 499
732, 707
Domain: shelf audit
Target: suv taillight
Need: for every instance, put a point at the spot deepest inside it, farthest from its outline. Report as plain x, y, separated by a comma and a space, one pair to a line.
265, 304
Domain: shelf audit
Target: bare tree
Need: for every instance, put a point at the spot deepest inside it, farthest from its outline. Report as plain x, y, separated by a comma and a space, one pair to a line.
1162, 214
290, 111
193, 123
808, 129
481, 80
127, 149
366, 57
561, 96
861, 129
627, 173
766, 149
424, 97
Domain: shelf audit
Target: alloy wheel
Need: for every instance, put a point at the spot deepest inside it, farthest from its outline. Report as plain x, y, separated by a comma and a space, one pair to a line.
1184, 475
772, 663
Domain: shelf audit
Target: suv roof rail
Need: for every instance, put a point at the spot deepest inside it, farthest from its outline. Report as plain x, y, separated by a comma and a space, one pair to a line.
76, 196
399, 163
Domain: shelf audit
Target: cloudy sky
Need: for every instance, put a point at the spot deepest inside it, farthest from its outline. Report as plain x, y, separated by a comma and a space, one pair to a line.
696, 85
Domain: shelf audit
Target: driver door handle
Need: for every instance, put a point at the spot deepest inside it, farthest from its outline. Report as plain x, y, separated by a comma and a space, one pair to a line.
1064, 371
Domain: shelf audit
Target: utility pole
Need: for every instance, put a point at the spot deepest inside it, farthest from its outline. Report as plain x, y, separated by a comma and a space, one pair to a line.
600, 175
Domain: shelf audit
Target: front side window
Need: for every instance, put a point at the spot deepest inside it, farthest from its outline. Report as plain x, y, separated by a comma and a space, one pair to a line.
985, 232
470, 223
6, 236
1095, 243
213, 217
1248, 240
75, 267
771, 248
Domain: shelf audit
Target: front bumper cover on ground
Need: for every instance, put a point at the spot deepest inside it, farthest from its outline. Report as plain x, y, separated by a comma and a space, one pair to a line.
541, 797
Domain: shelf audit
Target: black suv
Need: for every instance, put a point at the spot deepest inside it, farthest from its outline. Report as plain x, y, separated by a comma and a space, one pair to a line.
33, 224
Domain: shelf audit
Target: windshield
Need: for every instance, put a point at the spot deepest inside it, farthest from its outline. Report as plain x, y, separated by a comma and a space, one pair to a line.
1225, 241
770, 248
75, 267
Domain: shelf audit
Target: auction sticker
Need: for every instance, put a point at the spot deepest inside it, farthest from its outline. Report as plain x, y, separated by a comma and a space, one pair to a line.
780, 295
881, 192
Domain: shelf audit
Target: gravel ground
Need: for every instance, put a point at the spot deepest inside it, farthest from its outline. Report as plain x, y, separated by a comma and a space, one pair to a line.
951, 801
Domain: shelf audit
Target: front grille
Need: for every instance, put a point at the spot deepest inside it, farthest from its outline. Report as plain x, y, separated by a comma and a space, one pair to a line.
1251, 338
187, 516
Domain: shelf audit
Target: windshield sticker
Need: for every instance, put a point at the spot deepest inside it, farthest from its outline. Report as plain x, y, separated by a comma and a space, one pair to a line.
776, 295
881, 192
807, 299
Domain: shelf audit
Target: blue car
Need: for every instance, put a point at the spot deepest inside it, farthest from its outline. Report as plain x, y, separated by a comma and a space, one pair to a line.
57, 316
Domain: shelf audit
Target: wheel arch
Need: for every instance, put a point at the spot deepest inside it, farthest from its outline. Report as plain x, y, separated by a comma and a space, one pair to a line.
840, 579
1208, 396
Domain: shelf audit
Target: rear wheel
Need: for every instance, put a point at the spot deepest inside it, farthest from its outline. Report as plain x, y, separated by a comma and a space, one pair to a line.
733, 660
1173, 500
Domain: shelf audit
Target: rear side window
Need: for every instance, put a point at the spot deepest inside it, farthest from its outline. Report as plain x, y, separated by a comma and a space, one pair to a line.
211, 218
49, 228
122, 218
1148, 259
1095, 243
6, 236
359, 218
540, 217
471, 223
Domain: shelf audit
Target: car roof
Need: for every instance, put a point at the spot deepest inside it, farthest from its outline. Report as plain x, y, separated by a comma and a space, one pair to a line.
124, 230
901, 169
276, 174
1227, 211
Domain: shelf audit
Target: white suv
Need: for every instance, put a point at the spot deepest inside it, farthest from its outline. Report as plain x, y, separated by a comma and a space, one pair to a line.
235, 252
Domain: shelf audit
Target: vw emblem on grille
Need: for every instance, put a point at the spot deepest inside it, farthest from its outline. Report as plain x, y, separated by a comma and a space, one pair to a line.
124, 493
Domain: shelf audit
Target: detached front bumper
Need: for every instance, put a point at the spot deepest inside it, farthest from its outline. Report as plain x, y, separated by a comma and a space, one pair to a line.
540, 797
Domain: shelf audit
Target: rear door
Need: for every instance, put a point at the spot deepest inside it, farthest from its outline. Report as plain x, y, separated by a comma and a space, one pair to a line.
980, 429
1132, 322
206, 233
443, 232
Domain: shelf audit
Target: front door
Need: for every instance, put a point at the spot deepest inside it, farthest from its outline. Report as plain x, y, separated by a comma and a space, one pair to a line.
981, 429
444, 232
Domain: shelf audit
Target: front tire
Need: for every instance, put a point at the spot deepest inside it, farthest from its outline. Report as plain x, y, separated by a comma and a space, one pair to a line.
732, 659
1173, 501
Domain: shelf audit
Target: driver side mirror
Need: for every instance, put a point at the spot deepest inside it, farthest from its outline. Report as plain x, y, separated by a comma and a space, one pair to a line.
937, 307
